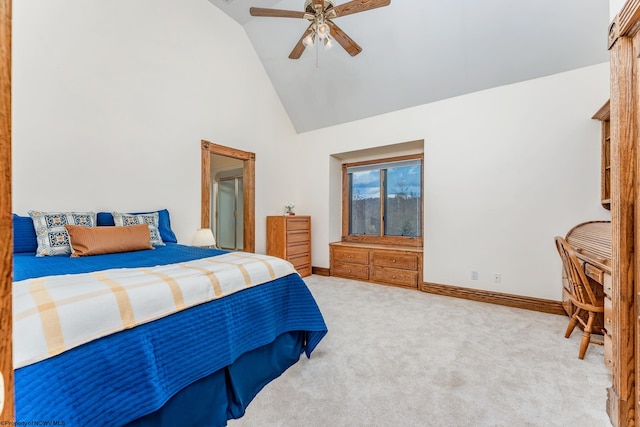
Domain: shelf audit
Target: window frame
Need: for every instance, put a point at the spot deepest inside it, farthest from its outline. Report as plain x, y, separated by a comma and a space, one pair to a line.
382, 238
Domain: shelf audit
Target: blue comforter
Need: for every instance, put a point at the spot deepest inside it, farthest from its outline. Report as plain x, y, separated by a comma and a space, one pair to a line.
119, 378
28, 266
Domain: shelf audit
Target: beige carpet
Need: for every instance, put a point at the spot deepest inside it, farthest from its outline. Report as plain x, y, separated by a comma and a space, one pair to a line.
396, 357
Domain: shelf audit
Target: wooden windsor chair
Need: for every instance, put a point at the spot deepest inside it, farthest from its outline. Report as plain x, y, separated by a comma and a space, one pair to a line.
582, 295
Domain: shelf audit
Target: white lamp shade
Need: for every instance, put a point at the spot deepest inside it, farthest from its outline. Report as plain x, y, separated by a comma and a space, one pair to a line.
308, 40
203, 237
323, 30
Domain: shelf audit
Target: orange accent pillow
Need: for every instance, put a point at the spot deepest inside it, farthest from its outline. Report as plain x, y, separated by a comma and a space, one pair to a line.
107, 240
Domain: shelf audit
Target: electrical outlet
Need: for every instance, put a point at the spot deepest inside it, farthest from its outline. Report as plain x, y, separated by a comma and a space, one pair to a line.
474, 275
496, 277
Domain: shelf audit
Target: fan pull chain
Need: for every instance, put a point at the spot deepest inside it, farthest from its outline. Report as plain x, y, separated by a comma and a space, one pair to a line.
318, 54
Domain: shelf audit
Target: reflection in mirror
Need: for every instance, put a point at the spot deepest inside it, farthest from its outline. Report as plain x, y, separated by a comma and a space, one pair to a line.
227, 201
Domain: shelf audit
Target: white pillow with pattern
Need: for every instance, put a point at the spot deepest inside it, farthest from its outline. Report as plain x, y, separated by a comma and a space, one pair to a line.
51, 235
124, 220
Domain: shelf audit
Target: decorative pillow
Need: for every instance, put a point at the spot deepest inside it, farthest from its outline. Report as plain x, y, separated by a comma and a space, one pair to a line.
51, 235
125, 220
164, 223
87, 241
24, 235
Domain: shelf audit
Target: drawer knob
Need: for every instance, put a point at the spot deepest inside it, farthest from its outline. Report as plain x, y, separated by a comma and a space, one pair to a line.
349, 271
393, 260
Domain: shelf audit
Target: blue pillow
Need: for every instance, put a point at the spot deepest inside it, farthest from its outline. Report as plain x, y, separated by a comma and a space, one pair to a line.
164, 223
24, 235
104, 219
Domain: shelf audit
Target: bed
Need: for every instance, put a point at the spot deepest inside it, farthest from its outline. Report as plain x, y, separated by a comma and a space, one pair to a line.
199, 364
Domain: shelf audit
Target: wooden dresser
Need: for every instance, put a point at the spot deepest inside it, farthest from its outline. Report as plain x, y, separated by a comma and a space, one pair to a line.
289, 237
592, 242
390, 265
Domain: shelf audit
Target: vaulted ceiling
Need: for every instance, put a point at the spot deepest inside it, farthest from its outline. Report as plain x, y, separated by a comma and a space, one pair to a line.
420, 51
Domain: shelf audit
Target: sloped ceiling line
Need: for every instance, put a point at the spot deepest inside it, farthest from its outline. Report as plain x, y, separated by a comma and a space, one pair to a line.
417, 52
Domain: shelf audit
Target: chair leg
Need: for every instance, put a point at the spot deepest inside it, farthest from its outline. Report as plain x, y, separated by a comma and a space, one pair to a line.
572, 323
586, 335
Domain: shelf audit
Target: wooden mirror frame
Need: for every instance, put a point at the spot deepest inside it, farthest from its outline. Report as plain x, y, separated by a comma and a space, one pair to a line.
248, 193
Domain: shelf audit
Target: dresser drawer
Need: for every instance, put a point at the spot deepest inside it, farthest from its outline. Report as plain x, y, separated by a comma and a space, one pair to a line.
302, 264
289, 237
395, 276
351, 255
298, 248
304, 270
300, 260
353, 271
395, 260
298, 236
298, 224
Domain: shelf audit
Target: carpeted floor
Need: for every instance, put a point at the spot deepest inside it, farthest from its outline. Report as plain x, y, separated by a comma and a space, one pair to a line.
396, 357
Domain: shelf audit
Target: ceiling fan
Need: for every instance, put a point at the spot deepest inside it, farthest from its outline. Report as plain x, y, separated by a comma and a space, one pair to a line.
320, 13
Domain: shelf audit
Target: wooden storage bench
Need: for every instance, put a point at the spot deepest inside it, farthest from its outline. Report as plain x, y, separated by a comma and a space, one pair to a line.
389, 265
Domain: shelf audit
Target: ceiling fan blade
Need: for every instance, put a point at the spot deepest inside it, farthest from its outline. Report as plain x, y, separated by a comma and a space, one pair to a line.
356, 6
275, 13
345, 41
299, 47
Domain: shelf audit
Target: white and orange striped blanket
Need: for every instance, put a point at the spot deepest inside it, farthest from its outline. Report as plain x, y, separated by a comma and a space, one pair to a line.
56, 313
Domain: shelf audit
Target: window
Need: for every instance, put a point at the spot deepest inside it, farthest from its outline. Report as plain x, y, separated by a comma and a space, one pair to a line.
382, 201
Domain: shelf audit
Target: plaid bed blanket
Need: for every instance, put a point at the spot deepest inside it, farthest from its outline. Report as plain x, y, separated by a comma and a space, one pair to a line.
56, 313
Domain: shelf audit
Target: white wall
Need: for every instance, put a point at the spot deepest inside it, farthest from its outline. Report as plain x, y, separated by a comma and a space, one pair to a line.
506, 170
111, 100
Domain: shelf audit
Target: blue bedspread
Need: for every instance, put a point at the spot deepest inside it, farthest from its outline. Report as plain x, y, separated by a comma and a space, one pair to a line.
28, 266
118, 378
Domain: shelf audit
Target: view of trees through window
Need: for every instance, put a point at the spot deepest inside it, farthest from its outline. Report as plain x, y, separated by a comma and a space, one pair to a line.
391, 191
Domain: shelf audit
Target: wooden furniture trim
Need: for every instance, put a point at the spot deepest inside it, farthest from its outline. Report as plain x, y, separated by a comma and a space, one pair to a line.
622, 397
385, 240
630, 311
604, 116
587, 297
366, 268
6, 236
321, 271
604, 113
590, 243
289, 237
593, 255
380, 246
248, 185
509, 300
628, 20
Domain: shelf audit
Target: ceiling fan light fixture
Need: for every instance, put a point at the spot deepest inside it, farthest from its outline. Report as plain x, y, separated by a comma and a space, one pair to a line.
323, 30
308, 5
308, 40
321, 15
